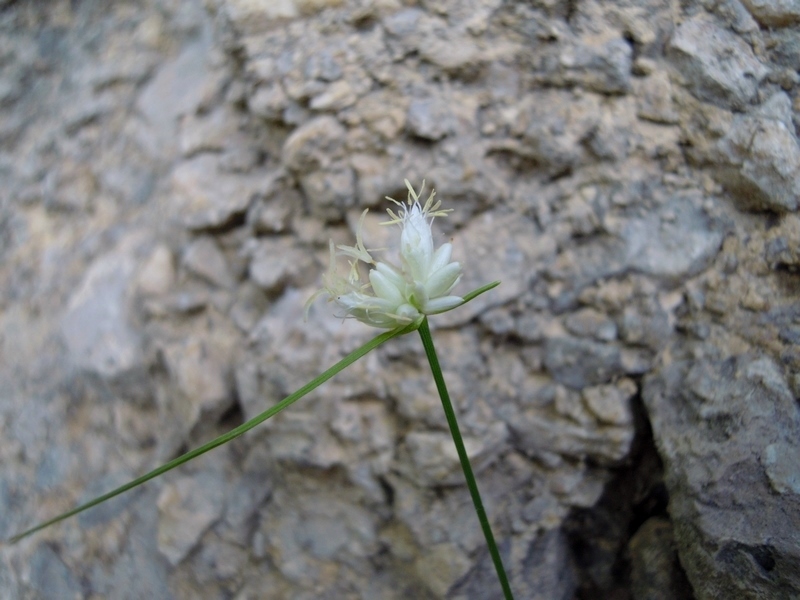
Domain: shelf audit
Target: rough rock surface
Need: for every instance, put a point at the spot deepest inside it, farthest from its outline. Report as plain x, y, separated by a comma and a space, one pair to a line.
172, 173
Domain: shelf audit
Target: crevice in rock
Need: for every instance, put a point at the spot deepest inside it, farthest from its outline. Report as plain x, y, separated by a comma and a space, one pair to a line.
600, 537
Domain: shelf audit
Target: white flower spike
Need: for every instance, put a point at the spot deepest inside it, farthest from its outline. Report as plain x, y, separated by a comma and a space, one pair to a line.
396, 296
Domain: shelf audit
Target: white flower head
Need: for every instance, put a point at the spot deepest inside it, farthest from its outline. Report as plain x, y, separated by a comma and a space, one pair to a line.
397, 295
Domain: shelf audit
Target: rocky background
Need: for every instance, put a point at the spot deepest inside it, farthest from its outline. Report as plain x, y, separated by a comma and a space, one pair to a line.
171, 173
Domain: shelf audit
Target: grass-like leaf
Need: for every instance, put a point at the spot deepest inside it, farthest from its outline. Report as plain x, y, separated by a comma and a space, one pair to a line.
244, 427
227, 437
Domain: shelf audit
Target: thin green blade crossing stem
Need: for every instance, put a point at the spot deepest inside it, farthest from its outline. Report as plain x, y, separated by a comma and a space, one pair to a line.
227, 437
257, 420
472, 484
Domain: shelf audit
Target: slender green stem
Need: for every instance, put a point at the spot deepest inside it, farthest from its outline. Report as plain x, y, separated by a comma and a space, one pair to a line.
427, 341
234, 433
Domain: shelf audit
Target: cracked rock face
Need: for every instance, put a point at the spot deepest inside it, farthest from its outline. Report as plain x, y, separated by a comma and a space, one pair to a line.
733, 497
172, 175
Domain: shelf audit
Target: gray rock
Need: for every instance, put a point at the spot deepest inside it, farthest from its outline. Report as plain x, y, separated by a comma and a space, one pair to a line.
550, 131
441, 565
434, 461
268, 102
70, 187
313, 152
430, 118
654, 99
760, 158
97, 326
306, 530
323, 65
208, 133
774, 13
549, 570
206, 197
383, 113
605, 69
157, 273
51, 578
449, 48
280, 261
512, 259
404, 22
718, 66
576, 435
646, 324
680, 241
336, 96
249, 17
453, 52
784, 47
8, 581
204, 258
249, 304
176, 89
728, 433
329, 193
273, 217
580, 363
783, 245
588, 322
199, 369
656, 572
187, 507
139, 566
611, 404
580, 265
553, 129
315, 145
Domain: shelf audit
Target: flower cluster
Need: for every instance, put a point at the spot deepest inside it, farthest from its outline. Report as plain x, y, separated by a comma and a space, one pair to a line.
397, 295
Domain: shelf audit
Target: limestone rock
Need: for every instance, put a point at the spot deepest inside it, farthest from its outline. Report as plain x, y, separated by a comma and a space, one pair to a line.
433, 457
674, 247
315, 145
187, 508
174, 91
656, 572
97, 326
625, 169
508, 259
204, 258
157, 274
206, 197
611, 404
579, 363
605, 68
719, 66
200, 371
51, 577
441, 566
251, 16
760, 158
655, 99
774, 13
722, 427
430, 118
277, 262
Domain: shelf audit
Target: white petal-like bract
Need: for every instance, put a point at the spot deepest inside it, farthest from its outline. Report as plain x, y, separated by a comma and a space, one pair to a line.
396, 296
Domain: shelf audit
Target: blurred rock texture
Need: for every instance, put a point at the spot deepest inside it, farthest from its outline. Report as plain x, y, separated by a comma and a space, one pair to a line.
172, 171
